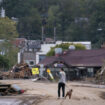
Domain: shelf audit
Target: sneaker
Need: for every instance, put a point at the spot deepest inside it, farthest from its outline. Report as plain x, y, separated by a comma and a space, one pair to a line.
63, 97
58, 98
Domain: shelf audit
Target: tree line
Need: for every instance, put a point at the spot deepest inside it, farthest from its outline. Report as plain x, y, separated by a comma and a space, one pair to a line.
75, 20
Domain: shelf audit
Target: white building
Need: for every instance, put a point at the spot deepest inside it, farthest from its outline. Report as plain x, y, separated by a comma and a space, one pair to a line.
28, 51
3, 13
45, 48
33, 51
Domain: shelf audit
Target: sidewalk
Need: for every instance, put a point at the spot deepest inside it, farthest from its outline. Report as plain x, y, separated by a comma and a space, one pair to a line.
79, 84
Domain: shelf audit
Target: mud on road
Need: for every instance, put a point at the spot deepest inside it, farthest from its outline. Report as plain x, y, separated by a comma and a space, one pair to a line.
46, 94
22, 100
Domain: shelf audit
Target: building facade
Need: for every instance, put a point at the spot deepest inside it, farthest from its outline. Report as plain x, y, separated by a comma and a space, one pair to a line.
77, 63
34, 50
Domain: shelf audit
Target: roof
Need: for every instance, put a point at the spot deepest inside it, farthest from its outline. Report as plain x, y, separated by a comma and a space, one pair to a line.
84, 58
34, 44
19, 42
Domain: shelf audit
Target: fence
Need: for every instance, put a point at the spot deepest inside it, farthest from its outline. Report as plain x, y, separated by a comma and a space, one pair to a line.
70, 73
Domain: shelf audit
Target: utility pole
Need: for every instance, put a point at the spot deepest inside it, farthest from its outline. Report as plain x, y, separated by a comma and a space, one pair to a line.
54, 33
44, 18
42, 33
43, 28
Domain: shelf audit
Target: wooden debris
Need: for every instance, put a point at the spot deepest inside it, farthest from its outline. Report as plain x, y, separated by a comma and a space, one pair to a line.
100, 76
18, 71
7, 89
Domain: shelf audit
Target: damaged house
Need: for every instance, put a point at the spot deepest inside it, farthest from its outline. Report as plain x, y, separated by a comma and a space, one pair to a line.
77, 63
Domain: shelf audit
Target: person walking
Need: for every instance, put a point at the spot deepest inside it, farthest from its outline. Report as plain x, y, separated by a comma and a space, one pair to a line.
61, 83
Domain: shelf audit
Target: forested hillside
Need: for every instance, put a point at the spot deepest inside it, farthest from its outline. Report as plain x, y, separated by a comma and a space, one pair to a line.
75, 20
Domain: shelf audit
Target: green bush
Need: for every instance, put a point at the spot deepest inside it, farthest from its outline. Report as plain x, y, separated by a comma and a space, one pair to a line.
65, 47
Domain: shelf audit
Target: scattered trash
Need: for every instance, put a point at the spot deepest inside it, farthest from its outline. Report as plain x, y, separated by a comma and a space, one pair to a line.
34, 80
100, 76
17, 88
8, 89
40, 79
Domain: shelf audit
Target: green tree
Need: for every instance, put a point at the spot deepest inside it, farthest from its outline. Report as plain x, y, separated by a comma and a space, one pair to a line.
30, 26
53, 20
97, 22
65, 47
8, 29
8, 32
68, 15
10, 52
4, 62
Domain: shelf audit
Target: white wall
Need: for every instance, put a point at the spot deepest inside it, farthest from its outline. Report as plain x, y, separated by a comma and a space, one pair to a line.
45, 48
87, 44
19, 57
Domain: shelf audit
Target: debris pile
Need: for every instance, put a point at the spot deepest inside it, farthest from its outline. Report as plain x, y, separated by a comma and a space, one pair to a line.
100, 76
8, 89
18, 71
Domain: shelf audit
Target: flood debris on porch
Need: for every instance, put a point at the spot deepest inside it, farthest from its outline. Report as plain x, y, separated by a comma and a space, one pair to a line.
100, 76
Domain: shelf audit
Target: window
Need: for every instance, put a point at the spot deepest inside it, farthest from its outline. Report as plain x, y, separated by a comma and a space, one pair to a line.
90, 72
41, 57
31, 63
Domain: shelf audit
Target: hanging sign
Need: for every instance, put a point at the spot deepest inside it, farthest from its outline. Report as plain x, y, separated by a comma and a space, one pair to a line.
35, 71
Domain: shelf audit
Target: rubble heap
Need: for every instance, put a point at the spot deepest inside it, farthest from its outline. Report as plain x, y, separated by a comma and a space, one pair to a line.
100, 76
18, 71
8, 89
